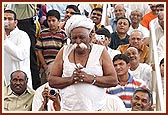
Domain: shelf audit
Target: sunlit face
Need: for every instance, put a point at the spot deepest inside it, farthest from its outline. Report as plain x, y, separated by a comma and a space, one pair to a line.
119, 11
136, 40
122, 26
18, 82
121, 67
96, 16
53, 22
9, 18
80, 35
133, 54
140, 101
136, 16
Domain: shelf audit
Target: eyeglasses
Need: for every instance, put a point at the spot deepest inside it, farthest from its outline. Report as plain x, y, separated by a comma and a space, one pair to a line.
96, 14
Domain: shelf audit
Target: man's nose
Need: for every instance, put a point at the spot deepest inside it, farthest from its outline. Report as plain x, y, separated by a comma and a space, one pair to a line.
78, 41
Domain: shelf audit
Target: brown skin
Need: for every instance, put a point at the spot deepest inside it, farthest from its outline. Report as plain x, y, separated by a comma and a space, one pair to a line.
96, 16
136, 40
55, 98
122, 28
140, 102
12, 23
134, 56
53, 23
108, 79
121, 68
119, 10
18, 82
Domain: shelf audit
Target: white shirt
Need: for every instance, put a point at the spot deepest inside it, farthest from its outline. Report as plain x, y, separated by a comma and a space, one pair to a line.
83, 96
144, 72
17, 54
159, 32
161, 48
141, 28
113, 52
38, 98
113, 103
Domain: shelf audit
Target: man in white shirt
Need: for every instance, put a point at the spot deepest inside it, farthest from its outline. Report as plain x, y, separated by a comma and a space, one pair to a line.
16, 48
139, 70
136, 17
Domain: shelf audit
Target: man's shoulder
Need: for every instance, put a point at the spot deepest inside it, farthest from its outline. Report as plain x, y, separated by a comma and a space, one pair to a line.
30, 90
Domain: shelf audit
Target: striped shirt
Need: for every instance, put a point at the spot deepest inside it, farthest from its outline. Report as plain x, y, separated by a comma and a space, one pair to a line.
50, 43
126, 92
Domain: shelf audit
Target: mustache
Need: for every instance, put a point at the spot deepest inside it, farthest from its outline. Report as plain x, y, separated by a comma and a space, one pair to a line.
81, 45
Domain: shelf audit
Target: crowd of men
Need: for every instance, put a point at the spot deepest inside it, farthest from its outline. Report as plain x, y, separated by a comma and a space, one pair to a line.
60, 57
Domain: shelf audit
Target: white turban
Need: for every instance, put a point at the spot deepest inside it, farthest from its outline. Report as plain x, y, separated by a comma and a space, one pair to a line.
78, 21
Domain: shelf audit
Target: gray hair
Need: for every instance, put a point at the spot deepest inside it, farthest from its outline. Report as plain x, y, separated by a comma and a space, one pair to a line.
138, 31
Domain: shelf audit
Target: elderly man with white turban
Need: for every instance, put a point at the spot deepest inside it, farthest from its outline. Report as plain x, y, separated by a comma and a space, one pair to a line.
83, 70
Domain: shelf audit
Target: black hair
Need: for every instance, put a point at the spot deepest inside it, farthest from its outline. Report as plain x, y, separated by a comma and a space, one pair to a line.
74, 7
26, 78
124, 18
145, 90
160, 5
97, 9
12, 12
103, 31
161, 62
121, 57
53, 13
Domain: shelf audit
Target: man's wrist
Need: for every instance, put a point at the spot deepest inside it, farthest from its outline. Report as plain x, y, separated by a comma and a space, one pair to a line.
94, 79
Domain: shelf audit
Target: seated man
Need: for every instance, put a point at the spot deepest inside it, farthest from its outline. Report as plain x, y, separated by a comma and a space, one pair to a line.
46, 98
17, 95
142, 100
139, 70
103, 37
120, 36
136, 40
126, 82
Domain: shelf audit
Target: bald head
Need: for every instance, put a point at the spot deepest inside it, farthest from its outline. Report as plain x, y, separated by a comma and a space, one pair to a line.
133, 49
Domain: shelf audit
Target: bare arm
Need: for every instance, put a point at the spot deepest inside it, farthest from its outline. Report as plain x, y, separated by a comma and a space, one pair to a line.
41, 58
109, 77
56, 80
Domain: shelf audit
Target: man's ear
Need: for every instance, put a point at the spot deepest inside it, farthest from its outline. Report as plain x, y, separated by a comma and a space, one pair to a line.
16, 22
129, 65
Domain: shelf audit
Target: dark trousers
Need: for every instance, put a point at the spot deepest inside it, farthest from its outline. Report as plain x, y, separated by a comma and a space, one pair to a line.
29, 27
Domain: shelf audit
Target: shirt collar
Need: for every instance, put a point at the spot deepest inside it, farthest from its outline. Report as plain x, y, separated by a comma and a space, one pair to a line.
10, 92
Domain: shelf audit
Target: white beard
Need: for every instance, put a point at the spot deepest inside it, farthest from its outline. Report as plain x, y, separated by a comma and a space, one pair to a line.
81, 45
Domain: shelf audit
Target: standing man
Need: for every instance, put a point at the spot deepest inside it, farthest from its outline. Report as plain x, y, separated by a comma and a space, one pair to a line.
16, 48
26, 22
18, 96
